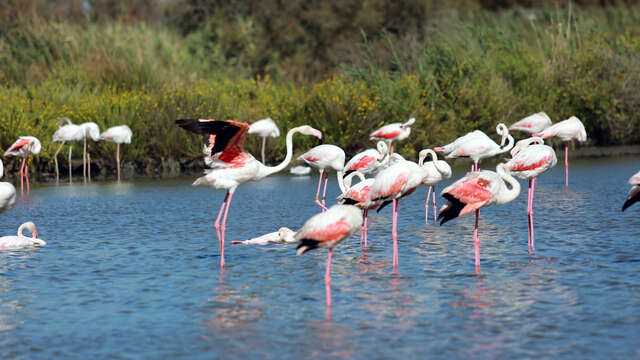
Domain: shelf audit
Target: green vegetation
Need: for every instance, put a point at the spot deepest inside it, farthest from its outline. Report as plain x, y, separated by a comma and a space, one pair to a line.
458, 72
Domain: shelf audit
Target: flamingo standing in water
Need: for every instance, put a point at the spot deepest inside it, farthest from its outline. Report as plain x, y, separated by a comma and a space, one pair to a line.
325, 157
480, 147
530, 159
634, 193
231, 164
92, 130
120, 135
435, 171
69, 132
533, 123
7, 193
393, 132
368, 161
24, 147
566, 130
478, 189
264, 128
501, 129
357, 195
327, 229
21, 241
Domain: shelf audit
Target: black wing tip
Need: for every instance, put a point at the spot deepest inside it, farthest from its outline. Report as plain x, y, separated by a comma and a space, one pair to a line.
451, 210
384, 204
349, 201
629, 202
306, 245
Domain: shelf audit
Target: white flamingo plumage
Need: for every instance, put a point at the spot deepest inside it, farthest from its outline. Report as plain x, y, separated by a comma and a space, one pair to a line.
24, 147
530, 159
634, 193
357, 195
121, 134
284, 235
435, 171
7, 193
566, 130
21, 241
327, 229
533, 123
325, 157
476, 190
481, 147
231, 164
264, 128
368, 161
393, 132
66, 133
89, 130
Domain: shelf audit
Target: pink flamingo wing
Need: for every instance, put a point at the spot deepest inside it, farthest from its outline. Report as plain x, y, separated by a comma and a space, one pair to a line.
524, 165
19, 144
362, 163
386, 135
473, 192
331, 232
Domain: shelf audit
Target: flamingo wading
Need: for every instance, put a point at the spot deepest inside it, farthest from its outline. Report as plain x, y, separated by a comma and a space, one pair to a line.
435, 172
120, 135
325, 157
89, 129
66, 133
24, 147
264, 128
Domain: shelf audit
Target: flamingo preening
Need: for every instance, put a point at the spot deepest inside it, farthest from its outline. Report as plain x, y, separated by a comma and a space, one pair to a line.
435, 171
66, 133
325, 157
21, 241
566, 130
91, 130
478, 189
533, 123
480, 147
327, 229
24, 147
530, 158
264, 128
634, 193
231, 164
393, 132
357, 195
7, 193
368, 161
120, 135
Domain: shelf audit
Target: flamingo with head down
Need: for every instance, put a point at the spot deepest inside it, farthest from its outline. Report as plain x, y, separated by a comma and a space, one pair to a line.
120, 135
481, 147
90, 130
24, 147
435, 172
264, 128
533, 123
325, 157
393, 132
566, 130
231, 164
66, 133
21, 241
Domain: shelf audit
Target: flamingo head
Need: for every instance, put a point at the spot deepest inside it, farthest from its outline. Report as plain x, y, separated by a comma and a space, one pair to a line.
409, 122
502, 130
31, 227
383, 149
308, 130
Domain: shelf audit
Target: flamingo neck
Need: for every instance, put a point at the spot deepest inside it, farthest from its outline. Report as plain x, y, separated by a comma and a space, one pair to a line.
340, 176
510, 142
1, 169
434, 160
268, 170
506, 196
347, 179
22, 228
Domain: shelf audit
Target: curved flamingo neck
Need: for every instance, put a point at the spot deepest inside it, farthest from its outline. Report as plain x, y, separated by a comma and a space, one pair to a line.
348, 179
507, 195
268, 170
434, 160
22, 228
340, 176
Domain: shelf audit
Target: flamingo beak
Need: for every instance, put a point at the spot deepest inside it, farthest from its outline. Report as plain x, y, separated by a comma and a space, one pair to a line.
34, 234
316, 133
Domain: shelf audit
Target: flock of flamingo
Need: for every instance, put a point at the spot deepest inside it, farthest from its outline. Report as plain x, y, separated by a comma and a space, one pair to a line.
384, 176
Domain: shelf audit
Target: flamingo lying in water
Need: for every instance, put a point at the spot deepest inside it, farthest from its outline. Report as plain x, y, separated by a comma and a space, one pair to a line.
284, 235
21, 241
24, 147
231, 164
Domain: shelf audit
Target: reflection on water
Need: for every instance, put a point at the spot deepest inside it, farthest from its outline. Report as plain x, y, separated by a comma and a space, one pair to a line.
131, 270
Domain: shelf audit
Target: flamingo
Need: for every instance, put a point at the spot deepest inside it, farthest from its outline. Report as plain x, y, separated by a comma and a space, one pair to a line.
634, 193
69, 132
263, 128
357, 195
393, 132
533, 123
120, 135
23, 147
325, 157
501, 129
530, 158
92, 130
436, 171
566, 130
480, 147
232, 165
284, 235
327, 229
21, 241
367, 161
478, 189
7, 193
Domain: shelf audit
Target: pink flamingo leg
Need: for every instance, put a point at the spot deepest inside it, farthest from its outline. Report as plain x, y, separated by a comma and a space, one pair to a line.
435, 219
366, 225
476, 241
217, 223
327, 279
394, 234
318, 191
426, 207
223, 229
566, 164
529, 222
22, 177
533, 187
26, 175
324, 191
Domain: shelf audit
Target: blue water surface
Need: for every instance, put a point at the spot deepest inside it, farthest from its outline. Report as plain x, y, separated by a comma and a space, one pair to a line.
131, 271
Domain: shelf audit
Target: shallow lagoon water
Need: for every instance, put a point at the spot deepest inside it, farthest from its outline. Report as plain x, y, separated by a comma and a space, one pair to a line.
132, 271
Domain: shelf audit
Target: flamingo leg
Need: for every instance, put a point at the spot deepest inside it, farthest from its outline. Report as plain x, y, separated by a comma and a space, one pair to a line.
118, 159
327, 279
217, 223
426, 207
318, 191
22, 177
394, 234
476, 241
264, 142
566, 164
529, 218
26, 175
324, 191
70, 169
55, 159
224, 228
89, 166
533, 188
366, 230
435, 219
84, 161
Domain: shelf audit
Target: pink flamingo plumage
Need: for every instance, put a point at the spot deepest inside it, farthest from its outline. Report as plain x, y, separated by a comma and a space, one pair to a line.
24, 147
530, 159
327, 229
368, 161
435, 171
231, 164
325, 157
533, 123
357, 195
478, 189
393, 132
634, 193
566, 130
